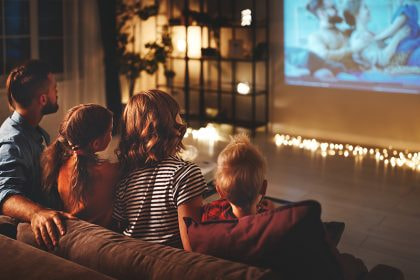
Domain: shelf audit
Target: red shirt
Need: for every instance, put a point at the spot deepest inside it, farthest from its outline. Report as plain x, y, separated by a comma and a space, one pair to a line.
221, 210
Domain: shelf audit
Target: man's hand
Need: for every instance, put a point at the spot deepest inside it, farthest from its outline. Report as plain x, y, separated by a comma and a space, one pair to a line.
47, 226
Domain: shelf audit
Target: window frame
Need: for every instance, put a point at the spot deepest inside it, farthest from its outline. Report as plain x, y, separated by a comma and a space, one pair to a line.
34, 38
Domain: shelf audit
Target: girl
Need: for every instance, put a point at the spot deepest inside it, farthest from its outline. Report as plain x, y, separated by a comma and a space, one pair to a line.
158, 189
73, 175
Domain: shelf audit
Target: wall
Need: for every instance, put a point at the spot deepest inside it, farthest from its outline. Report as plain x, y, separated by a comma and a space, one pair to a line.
361, 117
4, 110
370, 118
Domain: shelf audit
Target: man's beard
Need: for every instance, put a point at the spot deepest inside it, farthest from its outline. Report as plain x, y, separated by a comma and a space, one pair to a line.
335, 19
50, 108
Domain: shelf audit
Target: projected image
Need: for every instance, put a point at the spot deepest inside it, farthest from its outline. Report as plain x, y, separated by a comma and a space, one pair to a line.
356, 44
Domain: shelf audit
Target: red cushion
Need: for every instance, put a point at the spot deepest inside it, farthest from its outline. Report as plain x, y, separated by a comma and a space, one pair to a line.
290, 240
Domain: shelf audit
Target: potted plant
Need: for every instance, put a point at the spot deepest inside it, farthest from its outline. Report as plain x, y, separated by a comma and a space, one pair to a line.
131, 62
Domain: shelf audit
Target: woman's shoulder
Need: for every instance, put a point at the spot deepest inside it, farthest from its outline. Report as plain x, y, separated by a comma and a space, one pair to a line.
183, 165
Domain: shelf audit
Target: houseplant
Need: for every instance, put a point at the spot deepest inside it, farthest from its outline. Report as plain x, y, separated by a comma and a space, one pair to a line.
132, 62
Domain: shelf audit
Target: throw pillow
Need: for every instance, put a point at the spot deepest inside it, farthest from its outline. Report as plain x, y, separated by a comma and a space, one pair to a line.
290, 240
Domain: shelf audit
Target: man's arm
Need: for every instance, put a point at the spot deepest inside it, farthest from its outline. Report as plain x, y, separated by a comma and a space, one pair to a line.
44, 222
393, 28
386, 54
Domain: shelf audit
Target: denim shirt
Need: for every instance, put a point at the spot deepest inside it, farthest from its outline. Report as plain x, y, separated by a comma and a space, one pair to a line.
21, 146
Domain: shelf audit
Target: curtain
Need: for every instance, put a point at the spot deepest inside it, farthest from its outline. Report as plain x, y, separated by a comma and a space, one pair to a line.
83, 79
107, 17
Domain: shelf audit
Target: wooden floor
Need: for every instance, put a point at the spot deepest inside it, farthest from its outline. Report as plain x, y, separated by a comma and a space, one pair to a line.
380, 207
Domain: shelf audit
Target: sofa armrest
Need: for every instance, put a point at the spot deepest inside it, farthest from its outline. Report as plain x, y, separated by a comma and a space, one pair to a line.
126, 258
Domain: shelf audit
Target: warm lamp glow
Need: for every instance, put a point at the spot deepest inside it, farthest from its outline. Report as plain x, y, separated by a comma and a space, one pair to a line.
181, 45
207, 134
194, 41
243, 88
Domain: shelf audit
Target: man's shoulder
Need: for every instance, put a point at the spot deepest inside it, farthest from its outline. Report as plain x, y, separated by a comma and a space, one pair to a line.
12, 139
10, 132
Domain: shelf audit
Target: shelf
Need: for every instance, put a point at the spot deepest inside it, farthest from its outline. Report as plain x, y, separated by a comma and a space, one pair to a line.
238, 26
225, 90
210, 81
241, 123
224, 59
214, 22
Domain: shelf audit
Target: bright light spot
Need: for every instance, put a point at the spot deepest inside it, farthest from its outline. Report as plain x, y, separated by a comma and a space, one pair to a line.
246, 17
243, 88
181, 45
208, 133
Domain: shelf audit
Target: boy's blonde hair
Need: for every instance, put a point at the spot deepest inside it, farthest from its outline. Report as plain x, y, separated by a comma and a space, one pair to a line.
240, 173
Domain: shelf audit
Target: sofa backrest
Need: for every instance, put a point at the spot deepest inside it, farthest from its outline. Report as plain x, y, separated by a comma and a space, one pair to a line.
8, 226
122, 257
21, 261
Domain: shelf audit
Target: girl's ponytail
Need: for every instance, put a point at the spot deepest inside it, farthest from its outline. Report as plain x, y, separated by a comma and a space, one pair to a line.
81, 179
52, 159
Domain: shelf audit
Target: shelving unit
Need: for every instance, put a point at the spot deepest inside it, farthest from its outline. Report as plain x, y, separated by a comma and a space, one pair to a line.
206, 84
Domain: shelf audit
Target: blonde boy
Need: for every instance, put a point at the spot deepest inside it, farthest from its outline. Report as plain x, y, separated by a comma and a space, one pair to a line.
240, 181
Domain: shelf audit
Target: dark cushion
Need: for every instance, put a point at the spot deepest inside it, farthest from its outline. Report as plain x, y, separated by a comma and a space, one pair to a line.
290, 240
385, 272
8, 226
20, 261
126, 258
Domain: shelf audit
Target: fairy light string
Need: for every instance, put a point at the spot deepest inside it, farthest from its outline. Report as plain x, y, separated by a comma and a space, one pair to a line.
392, 157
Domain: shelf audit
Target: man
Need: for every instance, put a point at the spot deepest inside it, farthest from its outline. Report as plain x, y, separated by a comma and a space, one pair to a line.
328, 42
32, 93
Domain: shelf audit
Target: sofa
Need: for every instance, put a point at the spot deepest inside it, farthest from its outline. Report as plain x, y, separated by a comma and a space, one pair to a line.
97, 252
21, 261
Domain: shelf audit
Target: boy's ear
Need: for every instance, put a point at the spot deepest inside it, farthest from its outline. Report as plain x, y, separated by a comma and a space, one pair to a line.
263, 190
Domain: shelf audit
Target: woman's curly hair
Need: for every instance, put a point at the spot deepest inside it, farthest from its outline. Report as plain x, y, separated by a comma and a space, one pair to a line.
150, 131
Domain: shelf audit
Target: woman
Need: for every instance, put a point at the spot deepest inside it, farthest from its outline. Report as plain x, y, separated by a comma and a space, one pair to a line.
158, 188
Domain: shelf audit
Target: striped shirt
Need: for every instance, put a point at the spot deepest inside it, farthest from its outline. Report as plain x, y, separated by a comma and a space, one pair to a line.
147, 199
